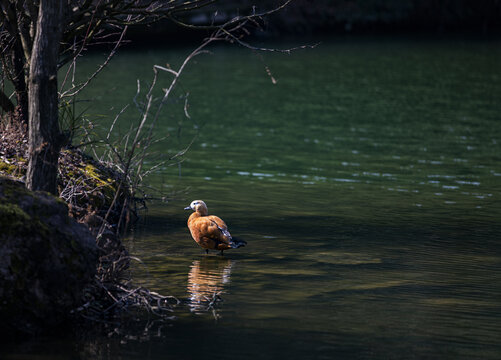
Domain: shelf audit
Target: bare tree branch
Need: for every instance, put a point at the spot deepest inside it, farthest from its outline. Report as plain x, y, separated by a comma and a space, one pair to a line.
75, 89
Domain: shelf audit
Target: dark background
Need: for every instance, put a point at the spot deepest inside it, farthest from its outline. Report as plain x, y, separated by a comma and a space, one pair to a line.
337, 17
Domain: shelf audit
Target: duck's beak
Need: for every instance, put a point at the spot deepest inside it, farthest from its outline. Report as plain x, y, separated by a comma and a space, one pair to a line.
187, 208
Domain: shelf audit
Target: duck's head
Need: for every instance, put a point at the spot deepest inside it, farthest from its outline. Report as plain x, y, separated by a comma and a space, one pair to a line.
198, 206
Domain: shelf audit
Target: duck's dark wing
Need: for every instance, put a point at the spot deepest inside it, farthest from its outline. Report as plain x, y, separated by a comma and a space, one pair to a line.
219, 229
232, 241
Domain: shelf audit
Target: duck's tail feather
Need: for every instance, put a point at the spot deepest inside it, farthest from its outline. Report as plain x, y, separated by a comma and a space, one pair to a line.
236, 243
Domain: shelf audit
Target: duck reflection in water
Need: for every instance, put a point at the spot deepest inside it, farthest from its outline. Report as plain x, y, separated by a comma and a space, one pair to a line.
206, 282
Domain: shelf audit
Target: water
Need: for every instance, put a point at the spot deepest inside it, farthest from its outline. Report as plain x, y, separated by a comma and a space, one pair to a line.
366, 183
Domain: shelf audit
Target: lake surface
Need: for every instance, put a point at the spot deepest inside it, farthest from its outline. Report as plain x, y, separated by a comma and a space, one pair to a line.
366, 181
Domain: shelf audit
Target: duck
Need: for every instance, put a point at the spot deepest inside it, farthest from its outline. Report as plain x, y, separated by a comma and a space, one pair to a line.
210, 231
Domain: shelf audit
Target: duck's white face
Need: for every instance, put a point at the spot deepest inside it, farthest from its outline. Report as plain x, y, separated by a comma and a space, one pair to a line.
196, 205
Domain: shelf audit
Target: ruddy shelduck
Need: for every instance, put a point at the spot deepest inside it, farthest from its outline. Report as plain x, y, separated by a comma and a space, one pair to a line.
209, 231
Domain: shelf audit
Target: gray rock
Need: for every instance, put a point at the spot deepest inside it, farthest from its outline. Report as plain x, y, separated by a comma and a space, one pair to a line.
46, 259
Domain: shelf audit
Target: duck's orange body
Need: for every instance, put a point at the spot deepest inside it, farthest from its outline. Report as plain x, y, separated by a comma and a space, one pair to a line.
209, 231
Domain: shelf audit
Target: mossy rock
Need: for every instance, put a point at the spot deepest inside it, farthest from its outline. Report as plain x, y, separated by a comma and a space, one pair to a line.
83, 182
90, 185
47, 259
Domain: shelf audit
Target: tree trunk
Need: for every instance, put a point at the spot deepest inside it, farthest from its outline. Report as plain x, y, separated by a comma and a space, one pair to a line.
20, 86
13, 58
44, 134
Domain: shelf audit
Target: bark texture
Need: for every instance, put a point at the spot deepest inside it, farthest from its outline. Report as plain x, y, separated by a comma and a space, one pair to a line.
44, 133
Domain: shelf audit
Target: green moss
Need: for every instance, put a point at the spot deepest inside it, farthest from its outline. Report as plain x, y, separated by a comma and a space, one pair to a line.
7, 168
61, 201
93, 172
14, 166
13, 218
12, 192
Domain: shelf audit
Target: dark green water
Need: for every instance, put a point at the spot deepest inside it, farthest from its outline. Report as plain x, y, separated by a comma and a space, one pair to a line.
366, 182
